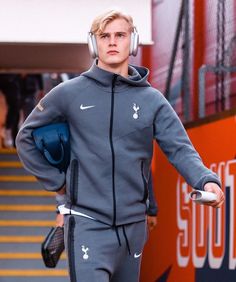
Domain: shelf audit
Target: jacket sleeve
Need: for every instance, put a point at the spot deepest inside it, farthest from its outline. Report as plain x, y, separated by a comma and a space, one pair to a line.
152, 206
175, 143
49, 110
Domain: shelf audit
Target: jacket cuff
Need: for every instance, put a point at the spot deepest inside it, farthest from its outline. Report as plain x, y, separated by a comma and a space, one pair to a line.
60, 199
209, 178
212, 181
152, 211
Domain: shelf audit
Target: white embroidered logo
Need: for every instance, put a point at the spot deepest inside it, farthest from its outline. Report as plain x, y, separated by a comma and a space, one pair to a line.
82, 107
135, 108
137, 255
85, 251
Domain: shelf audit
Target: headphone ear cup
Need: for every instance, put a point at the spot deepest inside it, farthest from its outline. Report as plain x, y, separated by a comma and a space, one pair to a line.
134, 43
92, 45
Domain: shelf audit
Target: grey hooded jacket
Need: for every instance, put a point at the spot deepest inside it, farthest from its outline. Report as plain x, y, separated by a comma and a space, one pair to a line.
113, 121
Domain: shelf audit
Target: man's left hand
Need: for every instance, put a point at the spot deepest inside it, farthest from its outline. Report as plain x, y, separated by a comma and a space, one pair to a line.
214, 188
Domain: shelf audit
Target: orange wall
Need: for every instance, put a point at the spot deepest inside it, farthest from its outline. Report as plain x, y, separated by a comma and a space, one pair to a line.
179, 220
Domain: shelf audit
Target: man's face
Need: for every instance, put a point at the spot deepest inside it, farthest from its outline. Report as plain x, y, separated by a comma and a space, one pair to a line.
114, 44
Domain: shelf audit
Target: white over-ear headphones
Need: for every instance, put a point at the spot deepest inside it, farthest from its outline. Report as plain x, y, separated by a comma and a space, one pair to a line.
93, 50
134, 42
92, 44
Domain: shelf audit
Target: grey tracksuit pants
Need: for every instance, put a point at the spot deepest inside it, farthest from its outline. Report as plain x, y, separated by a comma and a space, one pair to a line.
100, 253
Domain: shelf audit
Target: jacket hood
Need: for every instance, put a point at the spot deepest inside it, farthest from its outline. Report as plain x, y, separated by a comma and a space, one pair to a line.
137, 76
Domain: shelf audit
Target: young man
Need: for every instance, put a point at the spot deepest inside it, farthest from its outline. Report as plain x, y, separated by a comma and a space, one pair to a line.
114, 115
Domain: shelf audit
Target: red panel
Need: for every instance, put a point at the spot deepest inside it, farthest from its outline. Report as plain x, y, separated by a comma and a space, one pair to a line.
198, 46
203, 19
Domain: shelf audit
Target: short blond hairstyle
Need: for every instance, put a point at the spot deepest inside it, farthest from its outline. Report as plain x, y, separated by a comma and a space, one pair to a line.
100, 22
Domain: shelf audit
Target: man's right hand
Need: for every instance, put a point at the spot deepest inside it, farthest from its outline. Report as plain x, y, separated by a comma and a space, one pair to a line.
151, 222
59, 220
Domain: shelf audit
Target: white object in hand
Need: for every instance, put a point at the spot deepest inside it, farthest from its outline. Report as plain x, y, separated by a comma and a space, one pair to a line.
199, 196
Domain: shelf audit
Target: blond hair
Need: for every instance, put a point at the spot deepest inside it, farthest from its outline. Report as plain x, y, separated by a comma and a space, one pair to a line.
100, 22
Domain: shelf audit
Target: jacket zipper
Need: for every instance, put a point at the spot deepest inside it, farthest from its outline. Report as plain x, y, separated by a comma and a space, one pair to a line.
74, 182
112, 148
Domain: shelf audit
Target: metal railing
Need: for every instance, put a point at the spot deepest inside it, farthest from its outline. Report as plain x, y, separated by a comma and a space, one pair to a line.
202, 83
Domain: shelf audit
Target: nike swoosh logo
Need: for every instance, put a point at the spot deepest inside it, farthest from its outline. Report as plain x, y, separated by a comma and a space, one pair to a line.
137, 255
82, 107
